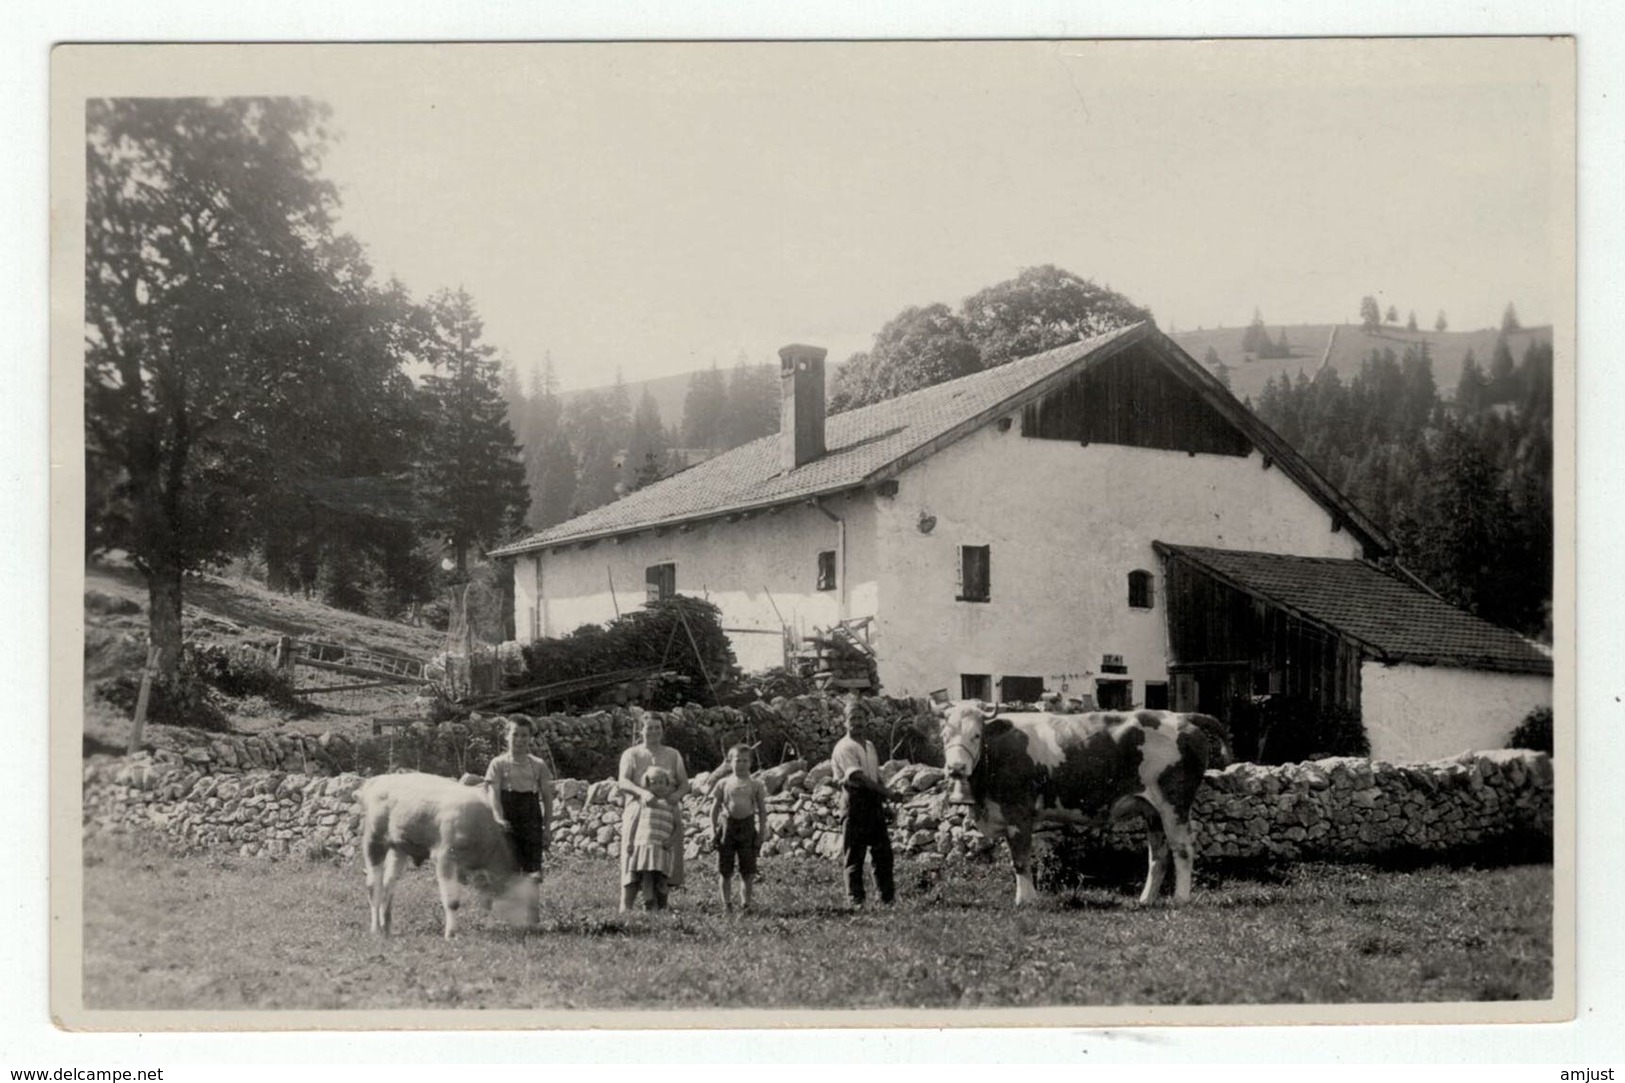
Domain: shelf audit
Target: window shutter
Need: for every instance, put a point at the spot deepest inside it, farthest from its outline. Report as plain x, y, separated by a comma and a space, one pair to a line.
959, 574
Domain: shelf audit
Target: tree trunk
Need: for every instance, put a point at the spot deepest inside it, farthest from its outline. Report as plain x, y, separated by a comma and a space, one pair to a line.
505, 587
164, 615
277, 562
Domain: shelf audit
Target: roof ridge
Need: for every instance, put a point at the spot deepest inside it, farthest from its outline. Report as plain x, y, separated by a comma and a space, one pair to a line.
861, 427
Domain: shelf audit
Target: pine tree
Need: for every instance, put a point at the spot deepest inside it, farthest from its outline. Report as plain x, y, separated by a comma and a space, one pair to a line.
648, 446
1503, 381
1421, 393
589, 421
1256, 340
1472, 389
618, 412
1410, 321
1509, 320
1440, 324
471, 472
553, 482
1370, 314
753, 402
705, 409
1393, 314
550, 469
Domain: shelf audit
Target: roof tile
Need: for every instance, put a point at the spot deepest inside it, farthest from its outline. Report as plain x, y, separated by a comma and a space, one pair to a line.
1397, 619
860, 443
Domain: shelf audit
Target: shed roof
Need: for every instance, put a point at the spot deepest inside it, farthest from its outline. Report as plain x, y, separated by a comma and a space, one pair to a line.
1395, 620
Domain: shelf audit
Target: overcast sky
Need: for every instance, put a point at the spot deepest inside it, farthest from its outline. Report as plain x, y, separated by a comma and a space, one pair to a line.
660, 207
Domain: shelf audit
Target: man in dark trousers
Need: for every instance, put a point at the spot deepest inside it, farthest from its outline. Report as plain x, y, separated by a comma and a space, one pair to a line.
857, 769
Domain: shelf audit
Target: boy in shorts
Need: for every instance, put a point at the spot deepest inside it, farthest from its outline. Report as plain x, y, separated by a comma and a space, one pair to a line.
738, 822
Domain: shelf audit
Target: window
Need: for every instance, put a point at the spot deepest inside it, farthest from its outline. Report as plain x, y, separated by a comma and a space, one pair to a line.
660, 582
1139, 590
1020, 689
1156, 695
826, 570
974, 579
1113, 695
975, 686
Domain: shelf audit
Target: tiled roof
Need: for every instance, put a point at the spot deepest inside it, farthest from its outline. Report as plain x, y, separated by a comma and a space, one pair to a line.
861, 445
1396, 620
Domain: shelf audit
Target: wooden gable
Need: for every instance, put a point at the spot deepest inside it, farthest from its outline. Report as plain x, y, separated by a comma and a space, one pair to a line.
1133, 398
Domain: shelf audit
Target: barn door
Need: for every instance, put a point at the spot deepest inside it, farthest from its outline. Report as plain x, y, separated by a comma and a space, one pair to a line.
1211, 690
1184, 690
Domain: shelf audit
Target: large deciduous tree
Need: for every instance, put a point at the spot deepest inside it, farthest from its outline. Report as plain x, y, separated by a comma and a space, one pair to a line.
1039, 309
920, 347
471, 474
230, 333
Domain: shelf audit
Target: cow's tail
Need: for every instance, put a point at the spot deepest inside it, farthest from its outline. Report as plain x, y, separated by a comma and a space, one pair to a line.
1217, 733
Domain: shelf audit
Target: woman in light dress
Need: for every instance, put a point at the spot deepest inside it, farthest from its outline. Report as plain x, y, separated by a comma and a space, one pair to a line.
651, 751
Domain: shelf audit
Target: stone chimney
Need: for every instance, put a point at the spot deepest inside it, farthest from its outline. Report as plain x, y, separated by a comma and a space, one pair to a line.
801, 405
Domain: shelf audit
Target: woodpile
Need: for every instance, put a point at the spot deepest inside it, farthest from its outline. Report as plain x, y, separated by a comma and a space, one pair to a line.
838, 659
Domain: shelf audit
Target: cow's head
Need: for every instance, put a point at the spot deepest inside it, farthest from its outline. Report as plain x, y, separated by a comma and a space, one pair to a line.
961, 728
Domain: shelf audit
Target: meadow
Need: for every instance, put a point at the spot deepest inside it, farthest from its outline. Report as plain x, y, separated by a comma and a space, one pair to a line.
167, 930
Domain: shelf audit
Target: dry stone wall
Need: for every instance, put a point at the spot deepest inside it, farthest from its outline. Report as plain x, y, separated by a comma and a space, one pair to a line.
582, 746
1328, 809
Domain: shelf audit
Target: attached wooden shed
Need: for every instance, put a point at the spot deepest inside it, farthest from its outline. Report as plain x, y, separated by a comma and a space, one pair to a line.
1327, 632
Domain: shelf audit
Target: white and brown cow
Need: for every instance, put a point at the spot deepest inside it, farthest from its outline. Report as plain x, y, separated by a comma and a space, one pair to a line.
1017, 769
419, 817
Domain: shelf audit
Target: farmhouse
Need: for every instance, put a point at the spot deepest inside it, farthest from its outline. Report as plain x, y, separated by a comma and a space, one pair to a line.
1103, 520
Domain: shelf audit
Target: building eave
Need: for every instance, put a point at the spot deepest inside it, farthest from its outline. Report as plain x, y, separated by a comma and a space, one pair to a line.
743, 508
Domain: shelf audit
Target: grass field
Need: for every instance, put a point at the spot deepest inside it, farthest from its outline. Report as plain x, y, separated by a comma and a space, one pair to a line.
164, 930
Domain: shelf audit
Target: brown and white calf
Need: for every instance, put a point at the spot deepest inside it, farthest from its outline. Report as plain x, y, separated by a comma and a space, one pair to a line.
422, 817
1016, 769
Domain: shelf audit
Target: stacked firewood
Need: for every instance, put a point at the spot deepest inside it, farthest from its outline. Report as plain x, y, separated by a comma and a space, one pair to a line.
839, 658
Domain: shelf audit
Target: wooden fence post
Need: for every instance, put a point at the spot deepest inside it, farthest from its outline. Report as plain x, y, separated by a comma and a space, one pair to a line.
284, 656
138, 727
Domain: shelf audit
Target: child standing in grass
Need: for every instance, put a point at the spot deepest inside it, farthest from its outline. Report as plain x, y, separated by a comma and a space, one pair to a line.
656, 839
521, 795
738, 822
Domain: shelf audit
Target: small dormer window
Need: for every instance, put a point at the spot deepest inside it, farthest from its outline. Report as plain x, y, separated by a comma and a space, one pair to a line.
1140, 593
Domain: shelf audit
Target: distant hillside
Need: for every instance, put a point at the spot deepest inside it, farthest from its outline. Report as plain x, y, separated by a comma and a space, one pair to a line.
1350, 346
669, 393
1247, 378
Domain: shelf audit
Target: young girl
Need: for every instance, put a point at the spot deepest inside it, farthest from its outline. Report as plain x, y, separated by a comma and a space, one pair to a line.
656, 838
521, 792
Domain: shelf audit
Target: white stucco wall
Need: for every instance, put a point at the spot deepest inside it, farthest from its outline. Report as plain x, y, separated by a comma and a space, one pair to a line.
1418, 713
1066, 524
755, 570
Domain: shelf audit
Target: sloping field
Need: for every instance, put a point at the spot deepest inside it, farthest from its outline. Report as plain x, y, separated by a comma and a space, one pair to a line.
1349, 346
221, 609
228, 612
